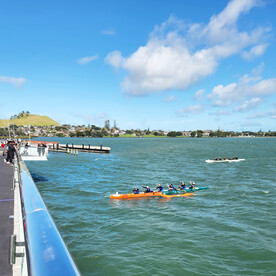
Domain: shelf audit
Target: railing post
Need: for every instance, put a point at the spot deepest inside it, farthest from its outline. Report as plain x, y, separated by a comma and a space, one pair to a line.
13, 245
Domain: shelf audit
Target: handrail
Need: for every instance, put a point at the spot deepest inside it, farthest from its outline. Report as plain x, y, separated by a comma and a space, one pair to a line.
46, 251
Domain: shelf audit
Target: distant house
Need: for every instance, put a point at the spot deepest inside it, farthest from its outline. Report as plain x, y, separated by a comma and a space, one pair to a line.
186, 133
206, 133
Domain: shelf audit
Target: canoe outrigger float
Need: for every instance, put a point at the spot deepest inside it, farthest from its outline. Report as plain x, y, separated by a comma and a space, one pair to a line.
165, 193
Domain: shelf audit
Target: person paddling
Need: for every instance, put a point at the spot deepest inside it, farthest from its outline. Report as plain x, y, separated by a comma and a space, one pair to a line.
147, 189
192, 187
136, 191
182, 186
171, 187
159, 188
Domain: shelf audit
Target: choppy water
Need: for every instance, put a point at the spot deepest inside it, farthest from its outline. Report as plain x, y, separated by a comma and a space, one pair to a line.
226, 230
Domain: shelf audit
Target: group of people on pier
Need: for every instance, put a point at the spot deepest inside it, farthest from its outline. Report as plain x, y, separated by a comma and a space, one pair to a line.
9, 147
159, 188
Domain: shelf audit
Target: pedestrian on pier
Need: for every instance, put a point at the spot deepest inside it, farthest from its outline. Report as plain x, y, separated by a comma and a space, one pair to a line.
10, 152
3, 147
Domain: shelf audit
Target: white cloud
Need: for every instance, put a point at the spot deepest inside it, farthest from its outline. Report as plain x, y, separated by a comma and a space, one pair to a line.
223, 95
269, 114
222, 27
170, 99
115, 59
178, 56
251, 124
258, 115
272, 113
86, 60
199, 95
255, 51
249, 104
158, 67
17, 82
193, 109
221, 112
248, 86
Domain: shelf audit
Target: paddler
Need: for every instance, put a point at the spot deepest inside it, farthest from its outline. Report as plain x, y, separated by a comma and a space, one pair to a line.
192, 187
159, 188
171, 187
147, 189
182, 186
136, 191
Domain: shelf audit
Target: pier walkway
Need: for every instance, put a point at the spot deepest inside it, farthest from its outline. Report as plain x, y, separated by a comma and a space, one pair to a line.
6, 214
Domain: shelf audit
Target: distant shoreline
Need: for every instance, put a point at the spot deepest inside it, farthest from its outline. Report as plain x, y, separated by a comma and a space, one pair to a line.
148, 137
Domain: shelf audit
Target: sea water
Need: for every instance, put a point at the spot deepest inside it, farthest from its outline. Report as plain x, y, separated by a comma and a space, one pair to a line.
228, 229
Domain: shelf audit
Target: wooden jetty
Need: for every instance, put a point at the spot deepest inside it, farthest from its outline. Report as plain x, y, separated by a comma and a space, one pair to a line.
84, 148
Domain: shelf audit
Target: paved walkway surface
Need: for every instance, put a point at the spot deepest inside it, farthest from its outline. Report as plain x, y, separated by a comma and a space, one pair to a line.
6, 210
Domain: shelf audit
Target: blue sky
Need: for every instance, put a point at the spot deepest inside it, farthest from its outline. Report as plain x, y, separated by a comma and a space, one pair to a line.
171, 65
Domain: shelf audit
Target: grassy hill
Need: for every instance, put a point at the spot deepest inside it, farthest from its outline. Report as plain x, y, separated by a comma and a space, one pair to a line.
34, 120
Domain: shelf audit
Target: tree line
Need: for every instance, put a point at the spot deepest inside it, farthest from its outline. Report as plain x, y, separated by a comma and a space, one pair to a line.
20, 115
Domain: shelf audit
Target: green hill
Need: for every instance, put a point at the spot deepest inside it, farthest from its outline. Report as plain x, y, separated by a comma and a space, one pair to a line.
33, 120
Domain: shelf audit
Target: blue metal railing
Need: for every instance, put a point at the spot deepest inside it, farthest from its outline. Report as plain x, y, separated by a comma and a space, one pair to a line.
47, 253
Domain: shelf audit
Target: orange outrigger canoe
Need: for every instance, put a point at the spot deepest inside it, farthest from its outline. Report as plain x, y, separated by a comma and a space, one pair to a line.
131, 195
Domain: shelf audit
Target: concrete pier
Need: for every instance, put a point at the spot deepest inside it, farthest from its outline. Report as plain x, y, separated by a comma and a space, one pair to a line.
6, 214
19, 198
